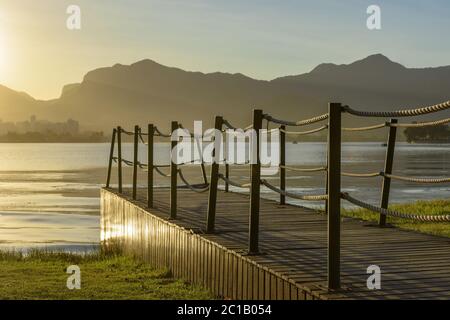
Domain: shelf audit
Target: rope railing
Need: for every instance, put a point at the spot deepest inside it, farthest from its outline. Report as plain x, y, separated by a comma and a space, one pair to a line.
199, 188
301, 133
233, 183
292, 195
399, 113
158, 133
361, 175
416, 180
396, 214
296, 123
165, 175
368, 128
129, 133
318, 169
332, 168
420, 124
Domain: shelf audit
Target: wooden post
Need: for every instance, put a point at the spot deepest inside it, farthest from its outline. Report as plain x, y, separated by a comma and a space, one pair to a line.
135, 160
255, 178
213, 181
119, 157
227, 175
388, 164
111, 155
282, 163
173, 173
150, 166
334, 195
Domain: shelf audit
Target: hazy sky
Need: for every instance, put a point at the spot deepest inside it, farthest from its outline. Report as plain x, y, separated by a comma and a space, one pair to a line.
261, 38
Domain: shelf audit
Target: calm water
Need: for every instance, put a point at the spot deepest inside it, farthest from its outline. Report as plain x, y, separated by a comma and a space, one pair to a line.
49, 193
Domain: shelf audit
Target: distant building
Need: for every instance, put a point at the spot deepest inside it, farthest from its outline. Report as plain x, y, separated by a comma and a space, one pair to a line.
42, 126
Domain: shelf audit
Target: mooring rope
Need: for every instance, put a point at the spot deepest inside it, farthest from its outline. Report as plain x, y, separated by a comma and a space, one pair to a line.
396, 214
297, 123
295, 196
399, 113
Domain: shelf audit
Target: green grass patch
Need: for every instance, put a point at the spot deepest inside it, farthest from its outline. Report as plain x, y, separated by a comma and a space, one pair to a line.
435, 207
104, 276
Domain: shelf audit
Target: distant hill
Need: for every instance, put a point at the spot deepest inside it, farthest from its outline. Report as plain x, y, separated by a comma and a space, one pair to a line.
150, 92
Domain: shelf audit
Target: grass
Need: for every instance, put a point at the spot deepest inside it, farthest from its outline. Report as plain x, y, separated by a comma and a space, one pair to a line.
104, 276
435, 207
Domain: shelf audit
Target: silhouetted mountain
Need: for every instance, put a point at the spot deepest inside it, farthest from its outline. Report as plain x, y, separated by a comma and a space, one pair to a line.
150, 92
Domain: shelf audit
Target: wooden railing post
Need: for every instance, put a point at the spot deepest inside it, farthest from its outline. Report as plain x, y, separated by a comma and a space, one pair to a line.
255, 178
388, 164
150, 166
119, 158
334, 195
213, 181
111, 155
173, 172
135, 160
282, 163
227, 175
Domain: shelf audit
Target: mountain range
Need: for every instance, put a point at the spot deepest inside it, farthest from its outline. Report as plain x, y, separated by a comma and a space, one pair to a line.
146, 92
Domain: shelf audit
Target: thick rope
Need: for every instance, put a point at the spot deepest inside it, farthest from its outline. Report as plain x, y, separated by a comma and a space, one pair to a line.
304, 132
420, 124
126, 132
396, 214
304, 169
416, 180
234, 184
228, 124
297, 123
142, 138
160, 134
127, 162
192, 187
399, 113
162, 173
295, 196
361, 175
377, 126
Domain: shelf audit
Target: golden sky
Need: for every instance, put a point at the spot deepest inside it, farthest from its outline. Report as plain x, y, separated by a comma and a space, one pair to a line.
263, 39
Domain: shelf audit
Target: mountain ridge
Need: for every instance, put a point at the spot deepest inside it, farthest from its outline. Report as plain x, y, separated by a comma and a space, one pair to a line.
146, 91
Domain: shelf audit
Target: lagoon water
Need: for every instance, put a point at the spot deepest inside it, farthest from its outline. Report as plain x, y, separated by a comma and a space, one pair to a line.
49, 193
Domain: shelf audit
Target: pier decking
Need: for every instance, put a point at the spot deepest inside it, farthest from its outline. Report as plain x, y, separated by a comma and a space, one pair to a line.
293, 245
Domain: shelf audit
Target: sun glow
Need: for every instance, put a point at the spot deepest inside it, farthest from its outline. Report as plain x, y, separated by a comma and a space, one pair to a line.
3, 58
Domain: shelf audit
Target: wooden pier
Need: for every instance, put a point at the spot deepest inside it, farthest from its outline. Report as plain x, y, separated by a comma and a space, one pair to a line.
292, 263
244, 247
